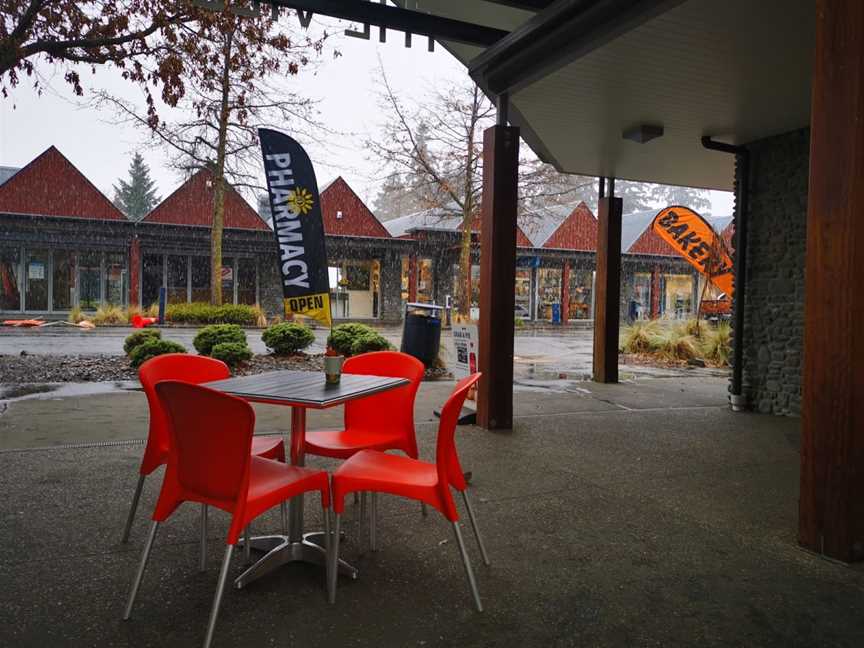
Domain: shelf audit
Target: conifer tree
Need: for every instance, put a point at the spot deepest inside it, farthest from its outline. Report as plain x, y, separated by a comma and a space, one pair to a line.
136, 197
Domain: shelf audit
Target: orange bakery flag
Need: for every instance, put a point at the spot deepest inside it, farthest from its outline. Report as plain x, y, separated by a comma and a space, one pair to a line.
695, 240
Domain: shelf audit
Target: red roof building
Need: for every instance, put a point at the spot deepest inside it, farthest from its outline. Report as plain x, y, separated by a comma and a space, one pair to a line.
51, 185
192, 204
344, 214
576, 232
649, 242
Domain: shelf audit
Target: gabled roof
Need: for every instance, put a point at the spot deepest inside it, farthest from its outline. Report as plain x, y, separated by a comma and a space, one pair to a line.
7, 172
447, 219
578, 231
345, 214
50, 185
649, 242
192, 204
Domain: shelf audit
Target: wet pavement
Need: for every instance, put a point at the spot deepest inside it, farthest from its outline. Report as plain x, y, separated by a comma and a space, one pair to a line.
542, 359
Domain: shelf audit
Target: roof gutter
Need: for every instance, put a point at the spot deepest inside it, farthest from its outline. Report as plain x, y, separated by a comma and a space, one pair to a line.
558, 35
742, 159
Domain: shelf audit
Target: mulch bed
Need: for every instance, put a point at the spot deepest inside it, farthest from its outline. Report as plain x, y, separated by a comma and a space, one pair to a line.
30, 368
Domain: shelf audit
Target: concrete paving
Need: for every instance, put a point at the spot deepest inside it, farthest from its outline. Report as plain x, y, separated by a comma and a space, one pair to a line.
644, 514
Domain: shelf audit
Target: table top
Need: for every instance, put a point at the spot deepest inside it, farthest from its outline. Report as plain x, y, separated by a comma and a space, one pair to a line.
304, 388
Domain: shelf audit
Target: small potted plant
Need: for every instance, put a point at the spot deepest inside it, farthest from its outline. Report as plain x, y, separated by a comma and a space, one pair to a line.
333, 366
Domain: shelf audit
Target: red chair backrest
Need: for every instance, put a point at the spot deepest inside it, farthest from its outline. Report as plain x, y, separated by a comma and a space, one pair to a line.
171, 366
210, 449
446, 458
391, 411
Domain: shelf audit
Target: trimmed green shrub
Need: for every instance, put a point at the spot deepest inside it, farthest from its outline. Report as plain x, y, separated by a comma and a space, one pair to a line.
152, 348
210, 336
341, 339
231, 353
202, 313
140, 337
288, 338
367, 342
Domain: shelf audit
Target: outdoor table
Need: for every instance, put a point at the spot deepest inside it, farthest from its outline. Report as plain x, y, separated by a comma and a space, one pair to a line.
300, 390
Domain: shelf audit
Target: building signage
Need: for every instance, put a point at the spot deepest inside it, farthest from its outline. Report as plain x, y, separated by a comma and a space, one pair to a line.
466, 346
297, 226
695, 240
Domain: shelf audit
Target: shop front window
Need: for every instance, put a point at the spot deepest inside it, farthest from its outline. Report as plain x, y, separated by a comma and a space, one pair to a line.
338, 292
406, 267
178, 288
424, 281
676, 296
581, 290
151, 279
10, 267
549, 294
116, 287
36, 296
201, 281
523, 293
246, 293
63, 290
640, 301
354, 289
228, 276
89, 280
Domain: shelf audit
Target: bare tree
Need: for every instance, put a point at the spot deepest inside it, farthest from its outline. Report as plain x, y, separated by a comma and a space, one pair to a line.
229, 93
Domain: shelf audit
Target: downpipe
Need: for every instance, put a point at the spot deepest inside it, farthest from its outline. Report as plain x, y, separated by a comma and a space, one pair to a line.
737, 398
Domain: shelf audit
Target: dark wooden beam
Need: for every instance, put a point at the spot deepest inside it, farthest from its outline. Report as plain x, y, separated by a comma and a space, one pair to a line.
561, 33
607, 295
497, 276
405, 20
831, 504
526, 5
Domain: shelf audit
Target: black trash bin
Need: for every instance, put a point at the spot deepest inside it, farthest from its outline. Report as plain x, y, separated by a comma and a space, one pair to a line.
421, 335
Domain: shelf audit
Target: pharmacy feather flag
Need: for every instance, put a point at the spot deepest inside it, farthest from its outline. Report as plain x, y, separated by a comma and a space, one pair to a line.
297, 226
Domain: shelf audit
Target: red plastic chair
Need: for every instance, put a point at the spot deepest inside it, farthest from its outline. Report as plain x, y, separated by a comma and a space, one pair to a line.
195, 370
377, 472
381, 422
210, 462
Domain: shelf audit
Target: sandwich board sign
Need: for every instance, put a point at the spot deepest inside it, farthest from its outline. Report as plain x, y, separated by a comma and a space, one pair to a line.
466, 347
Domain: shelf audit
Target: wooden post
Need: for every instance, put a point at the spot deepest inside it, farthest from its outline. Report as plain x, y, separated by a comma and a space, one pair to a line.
608, 291
831, 506
497, 276
655, 292
565, 293
134, 271
412, 278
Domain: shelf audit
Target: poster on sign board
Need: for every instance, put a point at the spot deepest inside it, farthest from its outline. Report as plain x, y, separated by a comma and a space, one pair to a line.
466, 347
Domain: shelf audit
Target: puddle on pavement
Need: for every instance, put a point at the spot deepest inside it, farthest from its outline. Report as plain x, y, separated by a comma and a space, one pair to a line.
56, 391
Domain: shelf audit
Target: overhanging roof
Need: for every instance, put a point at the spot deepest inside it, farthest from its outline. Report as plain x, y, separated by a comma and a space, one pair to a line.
734, 69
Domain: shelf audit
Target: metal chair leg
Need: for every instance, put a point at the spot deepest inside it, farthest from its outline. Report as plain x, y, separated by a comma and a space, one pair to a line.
328, 543
133, 508
247, 545
373, 523
468, 571
217, 600
202, 562
145, 556
284, 511
475, 527
333, 574
424, 511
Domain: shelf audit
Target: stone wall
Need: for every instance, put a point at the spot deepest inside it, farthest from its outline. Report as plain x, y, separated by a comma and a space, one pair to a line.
774, 302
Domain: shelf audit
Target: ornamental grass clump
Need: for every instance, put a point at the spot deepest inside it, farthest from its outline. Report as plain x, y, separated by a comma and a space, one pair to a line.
643, 336
287, 338
210, 336
231, 353
152, 348
140, 337
716, 344
676, 344
110, 316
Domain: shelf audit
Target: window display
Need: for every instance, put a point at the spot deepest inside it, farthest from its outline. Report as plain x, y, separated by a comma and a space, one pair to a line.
63, 297
581, 292
116, 289
89, 280
549, 294
676, 301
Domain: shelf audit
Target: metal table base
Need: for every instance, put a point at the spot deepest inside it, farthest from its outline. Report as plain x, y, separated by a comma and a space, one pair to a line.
296, 546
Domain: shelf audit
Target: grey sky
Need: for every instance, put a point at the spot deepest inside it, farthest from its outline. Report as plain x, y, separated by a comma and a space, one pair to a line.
346, 88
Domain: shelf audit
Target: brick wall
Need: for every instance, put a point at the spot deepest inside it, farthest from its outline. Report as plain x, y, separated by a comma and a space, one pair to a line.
774, 303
